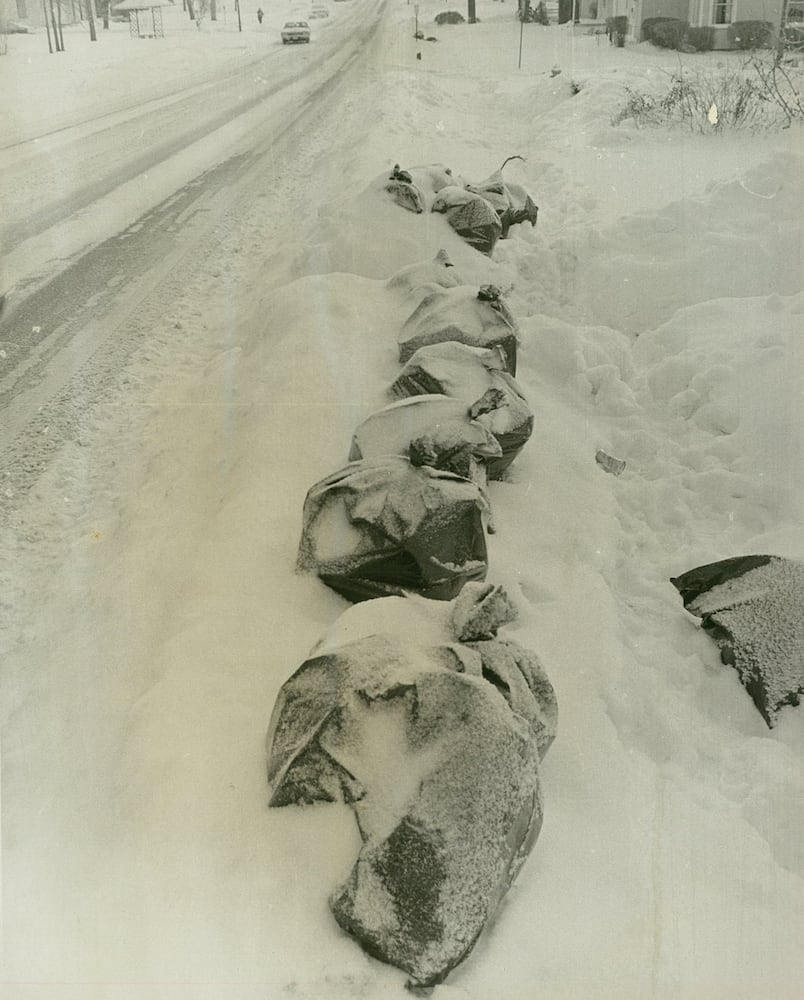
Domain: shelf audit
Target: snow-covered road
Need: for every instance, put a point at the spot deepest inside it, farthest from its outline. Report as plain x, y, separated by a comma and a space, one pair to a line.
104, 168
172, 174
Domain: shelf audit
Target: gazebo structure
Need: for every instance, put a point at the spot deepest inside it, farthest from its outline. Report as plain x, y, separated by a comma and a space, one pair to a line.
144, 17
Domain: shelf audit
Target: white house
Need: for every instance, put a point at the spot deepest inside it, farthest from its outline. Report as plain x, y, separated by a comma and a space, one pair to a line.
718, 14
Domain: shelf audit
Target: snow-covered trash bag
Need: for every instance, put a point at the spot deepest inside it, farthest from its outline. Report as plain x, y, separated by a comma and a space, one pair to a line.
426, 276
385, 526
436, 746
512, 202
477, 318
472, 217
429, 430
521, 208
753, 607
414, 188
404, 192
477, 377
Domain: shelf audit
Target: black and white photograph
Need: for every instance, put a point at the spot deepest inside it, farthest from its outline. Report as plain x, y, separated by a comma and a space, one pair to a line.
401, 499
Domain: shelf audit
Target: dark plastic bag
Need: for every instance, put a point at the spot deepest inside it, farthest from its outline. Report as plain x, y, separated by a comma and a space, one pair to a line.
753, 607
383, 526
436, 745
470, 374
429, 430
472, 217
478, 318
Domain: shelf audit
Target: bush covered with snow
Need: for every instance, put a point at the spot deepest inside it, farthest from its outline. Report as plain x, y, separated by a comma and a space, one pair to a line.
669, 34
750, 34
649, 23
700, 39
449, 17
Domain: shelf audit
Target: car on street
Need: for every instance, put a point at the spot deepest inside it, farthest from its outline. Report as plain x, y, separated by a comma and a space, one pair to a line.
318, 12
295, 31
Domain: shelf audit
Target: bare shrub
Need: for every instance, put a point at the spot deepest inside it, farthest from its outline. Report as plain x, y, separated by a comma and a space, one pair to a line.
759, 94
785, 84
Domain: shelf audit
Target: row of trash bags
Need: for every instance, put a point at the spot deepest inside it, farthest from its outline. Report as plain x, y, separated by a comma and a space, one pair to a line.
411, 710
410, 512
479, 213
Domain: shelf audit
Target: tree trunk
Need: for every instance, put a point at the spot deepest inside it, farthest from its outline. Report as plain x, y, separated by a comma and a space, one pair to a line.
91, 18
47, 28
191, 9
213, 11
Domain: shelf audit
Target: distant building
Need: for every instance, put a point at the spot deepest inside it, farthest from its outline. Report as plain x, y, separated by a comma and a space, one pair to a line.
21, 12
718, 14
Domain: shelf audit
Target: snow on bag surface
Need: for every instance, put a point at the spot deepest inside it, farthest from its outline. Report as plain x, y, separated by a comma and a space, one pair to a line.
469, 374
416, 280
415, 188
473, 217
431, 430
753, 607
478, 318
384, 526
437, 750
512, 202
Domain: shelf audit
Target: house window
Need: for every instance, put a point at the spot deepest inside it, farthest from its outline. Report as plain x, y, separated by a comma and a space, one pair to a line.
722, 11
22, 9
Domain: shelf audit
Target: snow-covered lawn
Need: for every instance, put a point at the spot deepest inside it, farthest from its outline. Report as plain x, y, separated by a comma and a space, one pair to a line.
156, 613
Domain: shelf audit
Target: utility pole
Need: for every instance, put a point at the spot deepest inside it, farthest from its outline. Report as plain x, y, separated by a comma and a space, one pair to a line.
60, 25
239, 22
47, 28
521, 28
